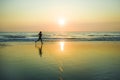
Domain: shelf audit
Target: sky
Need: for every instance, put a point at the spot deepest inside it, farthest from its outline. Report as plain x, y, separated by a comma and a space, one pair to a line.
59, 15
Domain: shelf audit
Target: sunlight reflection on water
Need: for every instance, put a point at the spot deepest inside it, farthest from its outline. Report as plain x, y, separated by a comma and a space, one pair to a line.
60, 61
62, 46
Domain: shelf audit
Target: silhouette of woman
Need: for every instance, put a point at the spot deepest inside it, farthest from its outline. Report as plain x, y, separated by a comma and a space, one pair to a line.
40, 37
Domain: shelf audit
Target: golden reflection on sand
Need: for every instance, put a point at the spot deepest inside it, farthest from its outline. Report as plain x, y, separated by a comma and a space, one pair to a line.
61, 45
71, 56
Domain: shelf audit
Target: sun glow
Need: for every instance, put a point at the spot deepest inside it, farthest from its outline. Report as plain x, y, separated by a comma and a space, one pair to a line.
62, 46
61, 21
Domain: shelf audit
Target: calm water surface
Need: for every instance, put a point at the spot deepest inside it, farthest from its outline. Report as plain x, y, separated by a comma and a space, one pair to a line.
60, 61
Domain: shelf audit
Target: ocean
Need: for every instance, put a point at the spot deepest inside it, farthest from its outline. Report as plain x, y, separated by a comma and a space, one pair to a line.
56, 36
62, 56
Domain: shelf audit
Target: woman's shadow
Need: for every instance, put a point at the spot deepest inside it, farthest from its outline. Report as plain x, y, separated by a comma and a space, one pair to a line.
39, 48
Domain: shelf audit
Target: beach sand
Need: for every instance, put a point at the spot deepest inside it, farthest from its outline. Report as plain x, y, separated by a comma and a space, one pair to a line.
87, 60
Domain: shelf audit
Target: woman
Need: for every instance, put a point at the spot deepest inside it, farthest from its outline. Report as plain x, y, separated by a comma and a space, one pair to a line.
40, 37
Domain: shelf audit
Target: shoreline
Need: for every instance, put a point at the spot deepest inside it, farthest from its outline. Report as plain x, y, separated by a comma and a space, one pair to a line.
5, 43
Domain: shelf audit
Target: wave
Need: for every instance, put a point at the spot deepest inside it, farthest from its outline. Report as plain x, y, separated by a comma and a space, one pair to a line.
74, 36
58, 39
11, 36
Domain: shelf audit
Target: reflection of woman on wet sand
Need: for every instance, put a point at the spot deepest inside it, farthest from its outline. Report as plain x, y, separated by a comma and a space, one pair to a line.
40, 49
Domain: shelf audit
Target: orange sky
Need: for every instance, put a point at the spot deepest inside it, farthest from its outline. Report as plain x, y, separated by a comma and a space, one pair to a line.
79, 15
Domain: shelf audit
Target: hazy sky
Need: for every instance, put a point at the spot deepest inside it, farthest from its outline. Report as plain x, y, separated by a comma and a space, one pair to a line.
79, 15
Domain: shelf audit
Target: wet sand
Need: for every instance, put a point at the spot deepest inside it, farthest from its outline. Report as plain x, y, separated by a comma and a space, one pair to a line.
87, 60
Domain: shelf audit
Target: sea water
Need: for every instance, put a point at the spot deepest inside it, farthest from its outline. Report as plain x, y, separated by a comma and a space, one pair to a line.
62, 56
56, 36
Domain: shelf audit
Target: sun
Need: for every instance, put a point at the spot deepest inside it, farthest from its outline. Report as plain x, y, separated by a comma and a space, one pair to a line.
61, 21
